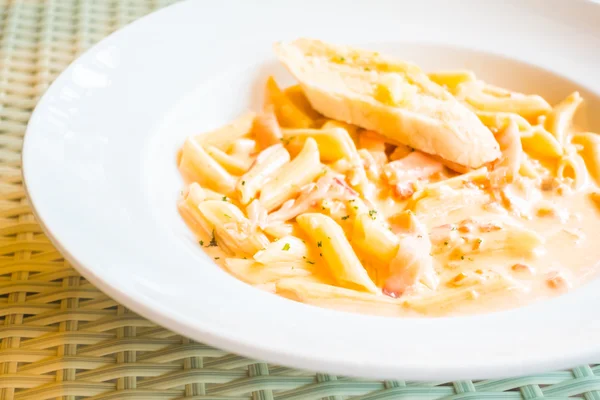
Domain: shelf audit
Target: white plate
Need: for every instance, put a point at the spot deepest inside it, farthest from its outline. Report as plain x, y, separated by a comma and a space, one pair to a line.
99, 164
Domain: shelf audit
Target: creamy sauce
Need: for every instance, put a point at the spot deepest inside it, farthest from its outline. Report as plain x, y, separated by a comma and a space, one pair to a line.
327, 213
468, 246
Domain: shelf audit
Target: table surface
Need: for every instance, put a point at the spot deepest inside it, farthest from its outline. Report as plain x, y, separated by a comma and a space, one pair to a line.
60, 337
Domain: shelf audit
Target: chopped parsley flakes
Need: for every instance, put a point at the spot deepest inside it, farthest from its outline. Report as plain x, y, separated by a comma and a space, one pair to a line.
345, 217
213, 240
319, 244
286, 247
372, 213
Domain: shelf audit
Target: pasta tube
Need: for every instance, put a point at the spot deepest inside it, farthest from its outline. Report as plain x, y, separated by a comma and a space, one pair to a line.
289, 178
188, 206
333, 143
323, 295
196, 164
224, 137
538, 142
286, 249
230, 227
255, 273
452, 78
572, 166
288, 114
266, 129
337, 251
590, 151
296, 95
370, 237
351, 129
559, 121
493, 99
499, 120
234, 165
266, 165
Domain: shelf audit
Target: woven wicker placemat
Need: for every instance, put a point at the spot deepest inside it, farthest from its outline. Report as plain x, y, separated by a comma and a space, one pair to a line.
63, 338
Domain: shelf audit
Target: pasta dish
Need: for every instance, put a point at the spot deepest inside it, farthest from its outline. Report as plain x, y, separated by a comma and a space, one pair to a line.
373, 186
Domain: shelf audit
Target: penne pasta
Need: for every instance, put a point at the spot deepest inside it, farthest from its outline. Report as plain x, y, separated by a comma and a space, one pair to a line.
451, 79
266, 129
198, 166
255, 273
373, 239
572, 167
590, 152
188, 206
286, 249
351, 129
499, 120
224, 137
230, 228
232, 164
331, 296
337, 252
333, 143
540, 143
288, 114
266, 166
297, 97
560, 120
292, 176
491, 99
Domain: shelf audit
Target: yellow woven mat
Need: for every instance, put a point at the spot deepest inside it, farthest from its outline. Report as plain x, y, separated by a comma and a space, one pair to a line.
62, 338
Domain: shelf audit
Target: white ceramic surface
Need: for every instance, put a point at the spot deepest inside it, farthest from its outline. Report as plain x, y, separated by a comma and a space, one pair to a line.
99, 166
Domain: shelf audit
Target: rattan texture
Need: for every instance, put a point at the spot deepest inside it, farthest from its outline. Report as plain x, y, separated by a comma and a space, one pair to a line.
60, 337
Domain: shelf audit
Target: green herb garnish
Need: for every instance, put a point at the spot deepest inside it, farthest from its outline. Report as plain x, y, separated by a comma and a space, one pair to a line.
213, 240
372, 213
